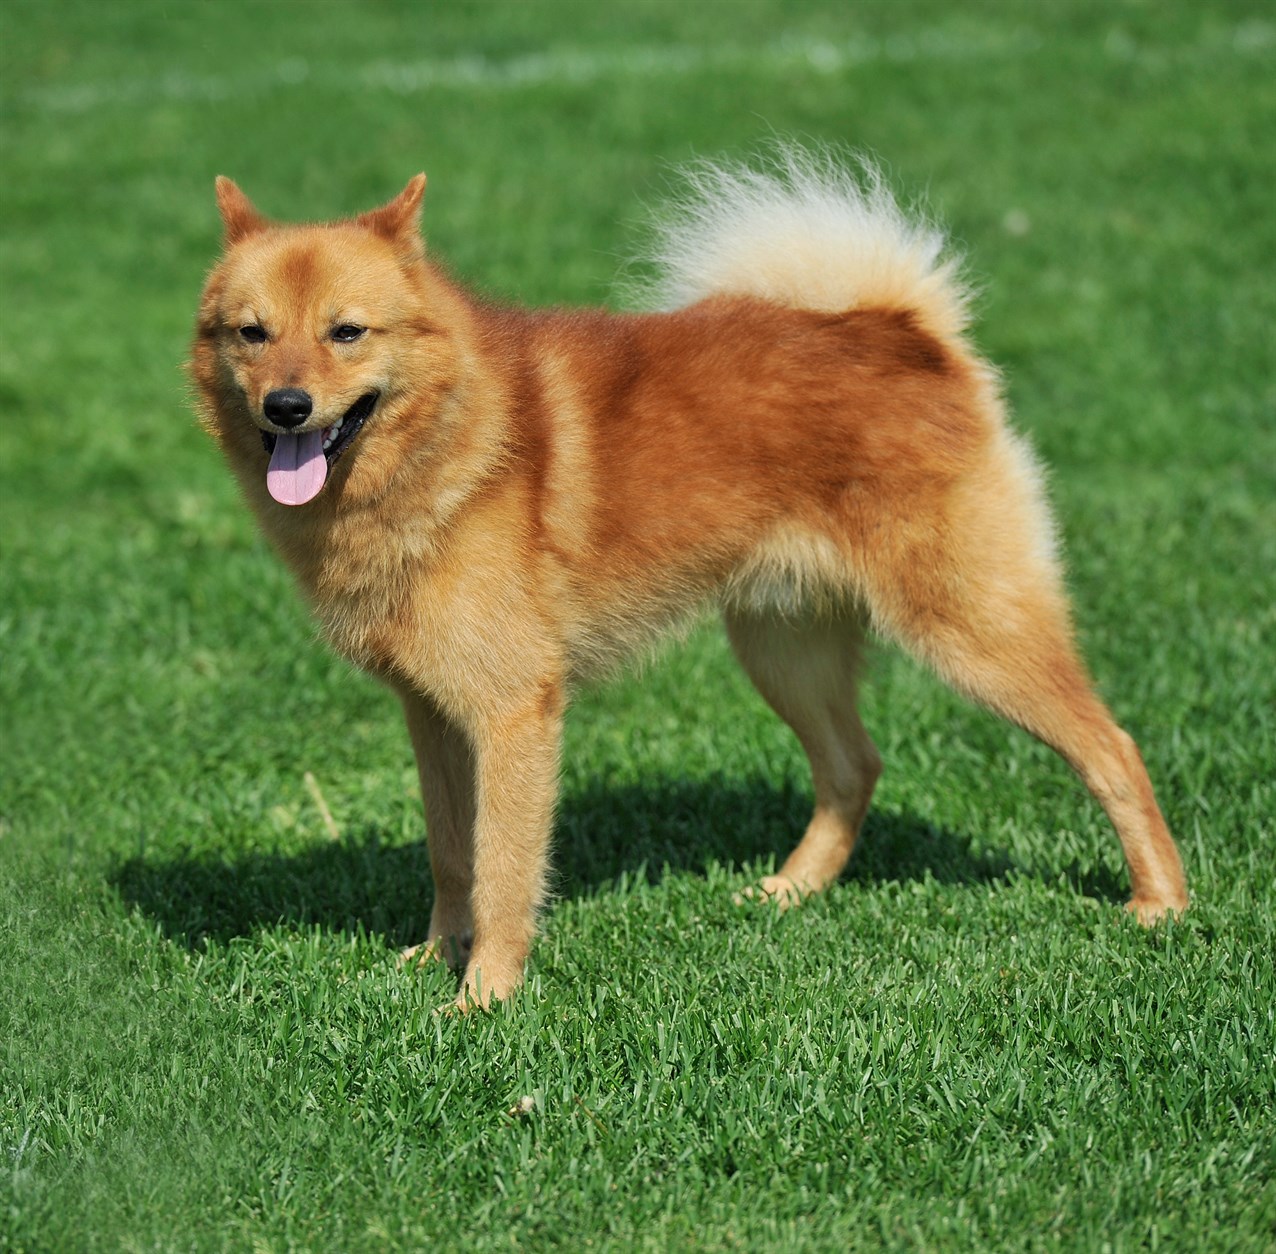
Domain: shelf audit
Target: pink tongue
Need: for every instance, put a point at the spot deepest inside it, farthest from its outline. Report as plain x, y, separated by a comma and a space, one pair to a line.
297, 469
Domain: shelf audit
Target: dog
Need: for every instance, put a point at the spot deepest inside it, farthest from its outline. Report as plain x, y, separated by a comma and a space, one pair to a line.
484, 504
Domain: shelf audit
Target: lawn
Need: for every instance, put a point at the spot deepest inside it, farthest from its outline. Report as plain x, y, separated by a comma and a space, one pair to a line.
205, 1043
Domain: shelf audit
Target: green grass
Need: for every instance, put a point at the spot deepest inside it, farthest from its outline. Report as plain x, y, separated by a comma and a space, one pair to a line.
204, 1041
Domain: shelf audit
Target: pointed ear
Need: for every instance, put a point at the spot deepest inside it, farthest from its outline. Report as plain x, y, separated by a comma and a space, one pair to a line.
239, 217
399, 221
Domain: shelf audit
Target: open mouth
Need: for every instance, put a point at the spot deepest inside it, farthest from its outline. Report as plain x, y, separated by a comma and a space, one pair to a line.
299, 464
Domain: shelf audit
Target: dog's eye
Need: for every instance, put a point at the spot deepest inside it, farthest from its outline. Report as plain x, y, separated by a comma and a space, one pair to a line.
347, 333
253, 333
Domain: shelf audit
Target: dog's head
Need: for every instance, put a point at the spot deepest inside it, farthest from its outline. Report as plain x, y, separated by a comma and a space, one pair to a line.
302, 331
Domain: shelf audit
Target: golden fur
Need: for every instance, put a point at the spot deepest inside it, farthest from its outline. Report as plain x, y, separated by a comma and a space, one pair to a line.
806, 439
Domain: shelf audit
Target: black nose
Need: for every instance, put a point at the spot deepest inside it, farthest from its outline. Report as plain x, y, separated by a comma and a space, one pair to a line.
288, 407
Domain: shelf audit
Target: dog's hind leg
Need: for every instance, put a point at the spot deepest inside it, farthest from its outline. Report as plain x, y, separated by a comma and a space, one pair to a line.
967, 581
445, 764
807, 672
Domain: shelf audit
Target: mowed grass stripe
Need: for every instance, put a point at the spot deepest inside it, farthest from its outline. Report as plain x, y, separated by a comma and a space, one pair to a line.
584, 67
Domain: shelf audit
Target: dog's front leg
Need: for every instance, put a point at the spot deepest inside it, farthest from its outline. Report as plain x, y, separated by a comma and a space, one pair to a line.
445, 763
516, 761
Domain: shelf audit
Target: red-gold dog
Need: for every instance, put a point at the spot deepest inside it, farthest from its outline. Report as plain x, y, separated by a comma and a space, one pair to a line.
482, 503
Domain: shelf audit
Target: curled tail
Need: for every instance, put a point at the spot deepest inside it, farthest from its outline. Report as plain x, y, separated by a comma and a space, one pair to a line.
807, 231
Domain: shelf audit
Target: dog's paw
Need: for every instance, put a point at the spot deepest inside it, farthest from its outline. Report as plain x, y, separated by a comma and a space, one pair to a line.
421, 955
778, 890
1151, 911
452, 1009
468, 1001
452, 950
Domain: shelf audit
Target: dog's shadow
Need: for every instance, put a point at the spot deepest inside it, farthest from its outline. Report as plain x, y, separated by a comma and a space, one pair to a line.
361, 885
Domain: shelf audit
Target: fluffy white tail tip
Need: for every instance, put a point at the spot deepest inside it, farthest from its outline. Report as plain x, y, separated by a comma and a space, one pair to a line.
807, 230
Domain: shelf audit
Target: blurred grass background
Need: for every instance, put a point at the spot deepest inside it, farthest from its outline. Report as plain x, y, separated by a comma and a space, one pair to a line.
205, 1044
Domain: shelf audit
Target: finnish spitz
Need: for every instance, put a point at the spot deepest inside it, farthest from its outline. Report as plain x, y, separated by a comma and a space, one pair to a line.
483, 503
